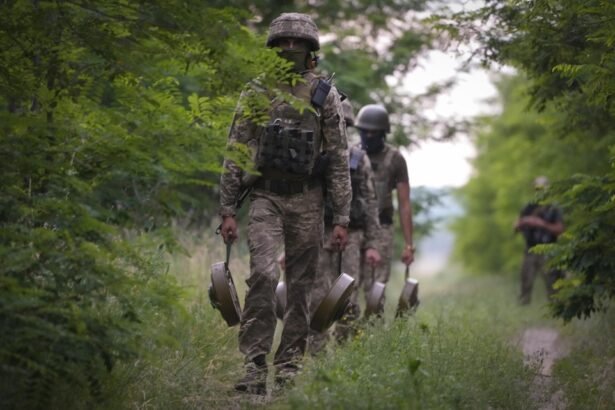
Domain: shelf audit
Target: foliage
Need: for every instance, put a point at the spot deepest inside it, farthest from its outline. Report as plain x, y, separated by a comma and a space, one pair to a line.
564, 48
455, 353
371, 47
587, 374
586, 254
513, 148
113, 118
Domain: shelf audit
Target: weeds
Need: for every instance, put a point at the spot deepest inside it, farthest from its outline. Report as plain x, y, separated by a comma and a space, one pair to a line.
460, 350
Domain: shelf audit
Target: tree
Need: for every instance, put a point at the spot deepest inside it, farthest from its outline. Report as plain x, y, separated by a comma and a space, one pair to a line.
112, 115
564, 48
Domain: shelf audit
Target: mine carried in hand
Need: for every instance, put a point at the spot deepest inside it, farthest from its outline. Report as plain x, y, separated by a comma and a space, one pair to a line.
335, 303
409, 298
374, 301
222, 292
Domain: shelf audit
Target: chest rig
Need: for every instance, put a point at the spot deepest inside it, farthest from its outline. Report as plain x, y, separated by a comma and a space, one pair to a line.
290, 144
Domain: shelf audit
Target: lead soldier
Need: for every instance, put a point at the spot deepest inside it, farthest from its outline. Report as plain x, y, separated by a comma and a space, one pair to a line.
286, 204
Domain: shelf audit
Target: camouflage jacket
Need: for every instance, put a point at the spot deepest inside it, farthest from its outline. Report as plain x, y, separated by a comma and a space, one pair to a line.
368, 191
333, 142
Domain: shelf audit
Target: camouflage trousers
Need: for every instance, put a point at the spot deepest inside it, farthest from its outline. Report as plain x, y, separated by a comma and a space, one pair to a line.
327, 273
533, 265
295, 222
382, 272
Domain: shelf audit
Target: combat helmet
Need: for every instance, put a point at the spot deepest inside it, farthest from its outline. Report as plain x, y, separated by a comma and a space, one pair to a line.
348, 112
294, 25
373, 117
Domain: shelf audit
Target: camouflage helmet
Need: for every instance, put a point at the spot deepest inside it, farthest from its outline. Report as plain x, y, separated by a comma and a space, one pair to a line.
348, 112
294, 25
373, 117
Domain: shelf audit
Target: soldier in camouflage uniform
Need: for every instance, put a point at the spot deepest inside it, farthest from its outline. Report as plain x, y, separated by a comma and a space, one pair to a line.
362, 232
286, 204
539, 223
391, 173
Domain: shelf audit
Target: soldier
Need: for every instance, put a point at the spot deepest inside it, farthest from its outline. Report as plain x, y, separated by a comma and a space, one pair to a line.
391, 173
362, 231
538, 224
286, 204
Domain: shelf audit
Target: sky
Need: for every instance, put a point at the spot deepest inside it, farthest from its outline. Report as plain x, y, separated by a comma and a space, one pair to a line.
445, 164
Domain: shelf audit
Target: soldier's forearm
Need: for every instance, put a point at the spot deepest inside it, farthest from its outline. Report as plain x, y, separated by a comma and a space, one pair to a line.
405, 217
338, 186
230, 182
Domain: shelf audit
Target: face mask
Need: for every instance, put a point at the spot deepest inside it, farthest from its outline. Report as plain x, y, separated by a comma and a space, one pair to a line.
296, 56
372, 144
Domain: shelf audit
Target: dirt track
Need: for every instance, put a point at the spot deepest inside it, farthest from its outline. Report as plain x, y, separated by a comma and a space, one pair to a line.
543, 346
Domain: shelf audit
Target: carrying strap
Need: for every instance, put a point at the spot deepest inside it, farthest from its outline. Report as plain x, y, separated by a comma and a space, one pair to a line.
228, 255
407, 271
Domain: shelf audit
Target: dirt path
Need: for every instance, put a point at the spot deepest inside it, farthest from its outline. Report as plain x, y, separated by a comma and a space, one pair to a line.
542, 346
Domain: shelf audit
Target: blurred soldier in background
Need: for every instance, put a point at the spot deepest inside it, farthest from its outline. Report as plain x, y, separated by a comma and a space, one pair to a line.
362, 231
286, 204
391, 173
538, 224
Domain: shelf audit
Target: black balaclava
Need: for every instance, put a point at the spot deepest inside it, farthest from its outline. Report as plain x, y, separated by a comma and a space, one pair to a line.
297, 55
374, 143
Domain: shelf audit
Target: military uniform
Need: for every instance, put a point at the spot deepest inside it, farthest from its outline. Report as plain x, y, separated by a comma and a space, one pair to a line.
286, 207
362, 232
389, 169
535, 264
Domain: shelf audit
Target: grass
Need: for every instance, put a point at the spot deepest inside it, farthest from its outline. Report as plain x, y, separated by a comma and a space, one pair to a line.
456, 352
587, 374
460, 350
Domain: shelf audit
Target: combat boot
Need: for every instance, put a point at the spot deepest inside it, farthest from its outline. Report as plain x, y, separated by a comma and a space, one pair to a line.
255, 380
285, 375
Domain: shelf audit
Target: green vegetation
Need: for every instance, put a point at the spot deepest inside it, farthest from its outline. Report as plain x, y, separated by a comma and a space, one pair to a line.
563, 51
587, 374
457, 352
462, 349
114, 117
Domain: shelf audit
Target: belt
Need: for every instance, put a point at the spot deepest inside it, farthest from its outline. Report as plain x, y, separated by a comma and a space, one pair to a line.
286, 187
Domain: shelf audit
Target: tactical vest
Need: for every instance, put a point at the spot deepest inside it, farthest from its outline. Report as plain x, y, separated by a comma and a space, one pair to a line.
535, 236
382, 166
358, 204
290, 144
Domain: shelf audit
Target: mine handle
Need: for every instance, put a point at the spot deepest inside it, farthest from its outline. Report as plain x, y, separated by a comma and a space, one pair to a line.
407, 271
339, 263
228, 255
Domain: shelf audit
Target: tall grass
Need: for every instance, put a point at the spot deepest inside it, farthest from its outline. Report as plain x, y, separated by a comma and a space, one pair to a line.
460, 350
587, 374
198, 366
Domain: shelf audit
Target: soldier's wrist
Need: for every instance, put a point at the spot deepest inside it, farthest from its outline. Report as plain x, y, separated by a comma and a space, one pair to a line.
226, 211
410, 247
342, 221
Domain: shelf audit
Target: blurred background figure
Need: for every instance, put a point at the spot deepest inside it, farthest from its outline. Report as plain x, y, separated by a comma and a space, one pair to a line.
538, 223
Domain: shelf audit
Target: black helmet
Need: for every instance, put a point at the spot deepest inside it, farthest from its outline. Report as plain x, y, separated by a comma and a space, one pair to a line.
294, 25
373, 117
